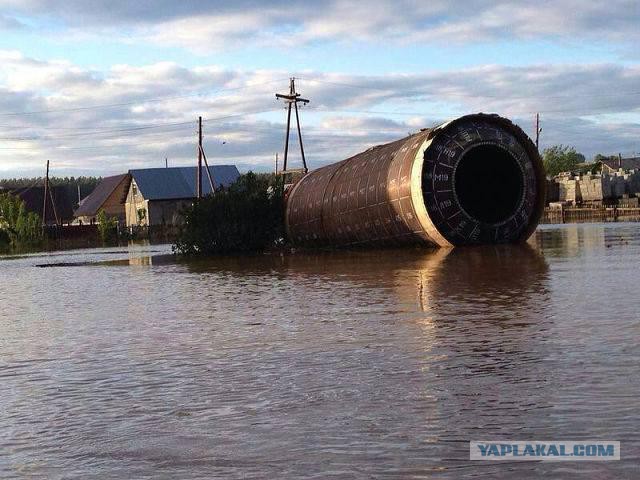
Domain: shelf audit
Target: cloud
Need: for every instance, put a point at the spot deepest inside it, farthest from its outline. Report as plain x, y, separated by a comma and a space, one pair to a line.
10, 23
213, 25
89, 121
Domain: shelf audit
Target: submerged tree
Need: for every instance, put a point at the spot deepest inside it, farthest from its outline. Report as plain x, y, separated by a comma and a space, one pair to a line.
246, 217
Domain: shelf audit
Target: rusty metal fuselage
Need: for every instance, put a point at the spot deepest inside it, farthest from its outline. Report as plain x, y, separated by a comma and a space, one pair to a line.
475, 180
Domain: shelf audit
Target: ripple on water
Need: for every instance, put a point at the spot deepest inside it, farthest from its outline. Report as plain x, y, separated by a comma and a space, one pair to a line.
328, 365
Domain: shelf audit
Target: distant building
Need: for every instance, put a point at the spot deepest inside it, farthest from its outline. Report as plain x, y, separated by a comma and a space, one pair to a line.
613, 165
33, 197
109, 195
568, 187
157, 196
552, 190
595, 188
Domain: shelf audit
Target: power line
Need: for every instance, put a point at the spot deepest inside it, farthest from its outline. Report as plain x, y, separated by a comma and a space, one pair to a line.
125, 127
136, 102
135, 130
472, 94
172, 128
314, 132
609, 108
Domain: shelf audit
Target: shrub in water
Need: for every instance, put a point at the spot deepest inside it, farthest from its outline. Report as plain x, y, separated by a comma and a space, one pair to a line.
107, 226
246, 217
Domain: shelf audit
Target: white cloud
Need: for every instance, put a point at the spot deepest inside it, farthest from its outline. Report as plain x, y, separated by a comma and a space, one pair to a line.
594, 107
207, 26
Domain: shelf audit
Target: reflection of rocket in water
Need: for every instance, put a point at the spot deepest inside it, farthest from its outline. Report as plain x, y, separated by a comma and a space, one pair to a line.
431, 276
457, 335
482, 340
501, 284
500, 277
486, 309
427, 273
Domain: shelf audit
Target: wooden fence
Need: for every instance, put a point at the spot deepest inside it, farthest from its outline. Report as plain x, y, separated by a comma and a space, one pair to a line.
71, 232
590, 214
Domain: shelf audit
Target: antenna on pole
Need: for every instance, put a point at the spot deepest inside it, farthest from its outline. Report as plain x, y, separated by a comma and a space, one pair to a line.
292, 99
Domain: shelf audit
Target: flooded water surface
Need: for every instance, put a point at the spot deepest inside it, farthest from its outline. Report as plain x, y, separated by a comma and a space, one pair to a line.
125, 363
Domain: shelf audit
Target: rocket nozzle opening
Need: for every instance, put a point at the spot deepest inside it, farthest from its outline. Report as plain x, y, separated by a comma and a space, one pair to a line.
489, 184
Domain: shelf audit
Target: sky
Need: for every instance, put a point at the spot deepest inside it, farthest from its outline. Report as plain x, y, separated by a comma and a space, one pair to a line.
100, 87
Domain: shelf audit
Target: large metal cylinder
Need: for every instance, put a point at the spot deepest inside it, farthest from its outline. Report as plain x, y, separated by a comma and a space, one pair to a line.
475, 180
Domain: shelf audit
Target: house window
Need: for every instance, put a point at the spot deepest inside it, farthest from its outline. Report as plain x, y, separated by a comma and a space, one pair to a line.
134, 189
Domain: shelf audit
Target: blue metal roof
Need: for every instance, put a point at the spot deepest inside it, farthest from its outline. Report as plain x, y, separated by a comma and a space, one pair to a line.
180, 182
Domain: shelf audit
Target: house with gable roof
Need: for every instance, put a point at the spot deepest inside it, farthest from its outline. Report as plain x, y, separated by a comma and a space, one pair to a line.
157, 196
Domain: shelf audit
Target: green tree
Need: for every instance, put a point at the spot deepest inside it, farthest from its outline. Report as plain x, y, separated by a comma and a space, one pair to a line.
561, 158
18, 227
66, 187
246, 217
107, 226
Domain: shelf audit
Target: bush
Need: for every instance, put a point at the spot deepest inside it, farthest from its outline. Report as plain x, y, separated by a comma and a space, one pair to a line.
19, 227
107, 226
246, 217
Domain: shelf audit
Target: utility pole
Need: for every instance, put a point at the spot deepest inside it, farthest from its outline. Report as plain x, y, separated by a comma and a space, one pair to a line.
538, 130
79, 194
53, 206
166, 162
199, 172
208, 170
292, 100
46, 191
276, 163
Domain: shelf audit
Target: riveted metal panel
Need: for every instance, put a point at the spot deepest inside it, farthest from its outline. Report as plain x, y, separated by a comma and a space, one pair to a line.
404, 192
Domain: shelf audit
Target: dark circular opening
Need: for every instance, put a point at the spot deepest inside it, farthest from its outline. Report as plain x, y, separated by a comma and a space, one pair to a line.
489, 184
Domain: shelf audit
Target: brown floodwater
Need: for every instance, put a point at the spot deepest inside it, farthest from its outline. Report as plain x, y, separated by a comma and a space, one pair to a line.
127, 364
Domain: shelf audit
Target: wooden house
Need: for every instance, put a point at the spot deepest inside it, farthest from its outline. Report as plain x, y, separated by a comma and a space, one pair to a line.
109, 195
157, 196
613, 165
33, 197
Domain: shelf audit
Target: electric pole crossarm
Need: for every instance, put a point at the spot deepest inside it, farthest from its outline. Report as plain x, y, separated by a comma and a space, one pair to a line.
292, 98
